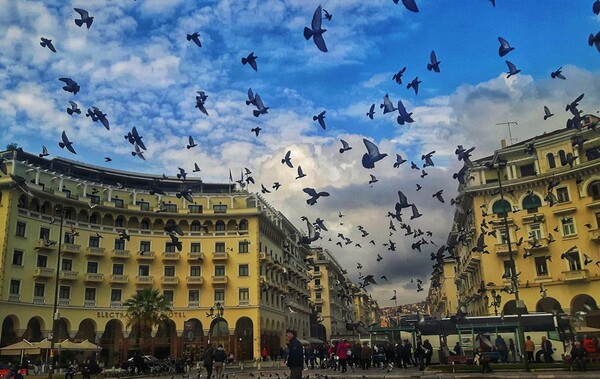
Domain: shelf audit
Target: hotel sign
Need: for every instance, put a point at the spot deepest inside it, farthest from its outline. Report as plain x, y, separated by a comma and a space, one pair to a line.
112, 314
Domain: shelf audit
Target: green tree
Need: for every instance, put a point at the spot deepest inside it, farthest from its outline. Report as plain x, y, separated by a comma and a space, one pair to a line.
146, 310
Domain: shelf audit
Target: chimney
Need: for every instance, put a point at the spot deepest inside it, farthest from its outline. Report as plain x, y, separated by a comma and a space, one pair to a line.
503, 143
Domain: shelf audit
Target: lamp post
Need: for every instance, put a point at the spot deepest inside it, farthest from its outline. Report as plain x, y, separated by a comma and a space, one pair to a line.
496, 301
60, 210
217, 312
501, 163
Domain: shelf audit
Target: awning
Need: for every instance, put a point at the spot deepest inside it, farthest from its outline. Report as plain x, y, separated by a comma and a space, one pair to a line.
19, 348
314, 340
304, 342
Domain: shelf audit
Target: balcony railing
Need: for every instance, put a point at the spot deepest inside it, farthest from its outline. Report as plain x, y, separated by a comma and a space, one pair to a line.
244, 303
119, 279
142, 279
219, 279
595, 235
64, 302
169, 280
94, 251
170, 256
119, 254
43, 272
89, 303
92, 277
195, 256
194, 280
14, 297
576, 275
45, 244
219, 256
70, 248
68, 275
193, 304
116, 304
39, 300
145, 255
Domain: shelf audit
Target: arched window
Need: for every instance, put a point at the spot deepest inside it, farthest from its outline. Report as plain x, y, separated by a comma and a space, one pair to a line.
145, 224
500, 207
220, 226
551, 162
593, 189
562, 157
531, 203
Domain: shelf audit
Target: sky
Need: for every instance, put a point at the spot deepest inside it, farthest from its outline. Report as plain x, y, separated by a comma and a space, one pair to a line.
136, 65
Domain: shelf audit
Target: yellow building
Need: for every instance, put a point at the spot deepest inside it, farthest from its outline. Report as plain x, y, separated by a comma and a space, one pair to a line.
237, 251
442, 297
551, 190
367, 310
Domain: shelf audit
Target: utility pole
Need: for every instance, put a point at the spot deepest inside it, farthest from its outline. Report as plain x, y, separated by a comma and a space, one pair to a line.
509, 132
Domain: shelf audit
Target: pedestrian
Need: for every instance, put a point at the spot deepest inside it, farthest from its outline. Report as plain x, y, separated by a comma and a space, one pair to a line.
365, 356
579, 356
502, 349
219, 358
420, 355
529, 349
342, 352
408, 354
480, 359
264, 354
85, 369
207, 360
547, 350
428, 352
72, 370
25, 362
512, 349
398, 351
457, 349
295, 360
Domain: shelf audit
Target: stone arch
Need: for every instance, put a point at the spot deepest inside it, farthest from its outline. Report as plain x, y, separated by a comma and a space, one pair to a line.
120, 221
87, 330
47, 208
243, 225
510, 308
244, 337
219, 332
208, 225
8, 335
220, 226
95, 218
111, 340
33, 332
164, 340
184, 225
562, 157
195, 226
133, 223
158, 224
108, 220
145, 223
83, 215
501, 206
232, 226
550, 160
34, 205
23, 202
593, 189
532, 201
583, 303
62, 329
70, 213
548, 305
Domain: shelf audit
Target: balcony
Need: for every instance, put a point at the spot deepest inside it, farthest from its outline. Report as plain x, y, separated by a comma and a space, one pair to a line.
116, 304
89, 303
219, 280
542, 245
44, 244
141, 279
92, 277
39, 300
119, 254
318, 301
594, 235
244, 303
64, 302
195, 256
14, 297
194, 280
316, 274
502, 248
193, 304
576, 275
118, 279
69, 248
94, 251
43, 272
170, 256
68, 275
145, 255
219, 256
169, 280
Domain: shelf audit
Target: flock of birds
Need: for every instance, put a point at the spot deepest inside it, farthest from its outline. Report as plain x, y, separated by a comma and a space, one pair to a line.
317, 229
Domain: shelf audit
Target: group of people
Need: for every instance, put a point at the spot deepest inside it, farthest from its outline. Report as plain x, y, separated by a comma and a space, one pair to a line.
214, 359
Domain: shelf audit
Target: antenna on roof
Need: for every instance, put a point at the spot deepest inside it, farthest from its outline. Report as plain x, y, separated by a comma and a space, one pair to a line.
509, 133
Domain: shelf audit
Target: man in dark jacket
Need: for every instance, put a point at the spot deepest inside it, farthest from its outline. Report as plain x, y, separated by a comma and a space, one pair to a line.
207, 360
295, 360
579, 355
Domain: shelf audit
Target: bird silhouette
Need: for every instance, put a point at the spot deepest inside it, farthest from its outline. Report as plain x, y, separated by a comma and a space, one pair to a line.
195, 37
316, 31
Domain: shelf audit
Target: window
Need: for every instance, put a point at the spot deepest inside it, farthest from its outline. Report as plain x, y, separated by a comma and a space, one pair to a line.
195, 271
244, 294
145, 224
562, 157
243, 270
169, 270
317, 282
593, 190
172, 208
318, 294
551, 162
119, 244
220, 247
317, 269
20, 232
117, 269
144, 245
503, 236
90, 294
219, 270
193, 208
144, 270
15, 287
219, 226
508, 273
42, 261
144, 205
531, 203
168, 295
541, 266
39, 289
195, 226
574, 261
118, 203
196, 247
120, 221
527, 170
94, 242
220, 208
116, 294
92, 267
243, 246
169, 247
69, 238
94, 199
17, 259
194, 295
219, 296
66, 265
598, 220
64, 292
568, 226
319, 309
535, 231
592, 154
501, 207
562, 195
45, 233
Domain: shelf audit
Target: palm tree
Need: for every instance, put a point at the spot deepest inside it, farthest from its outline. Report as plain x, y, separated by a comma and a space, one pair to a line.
146, 310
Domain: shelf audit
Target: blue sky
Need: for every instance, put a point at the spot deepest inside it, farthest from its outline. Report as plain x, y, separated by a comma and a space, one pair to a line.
136, 65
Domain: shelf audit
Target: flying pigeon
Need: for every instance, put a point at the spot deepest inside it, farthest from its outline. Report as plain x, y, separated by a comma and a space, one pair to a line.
256, 130
251, 99
321, 119
387, 105
48, 43
44, 152
133, 137
191, 143
505, 47
371, 111
438, 195
137, 151
512, 69
433, 64
182, 174
411, 5
96, 114
315, 31
66, 143
398, 76
71, 85
557, 74
251, 60
345, 146
373, 179
261, 109
200, 100
314, 195
594, 40
414, 84
195, 37
107, 159
85, 18
372, 155
596, 7
74, 108
263, 189
287, 159
196, 168
415, 212
301, 174
404, 116
399, 161
427, 158
547, 113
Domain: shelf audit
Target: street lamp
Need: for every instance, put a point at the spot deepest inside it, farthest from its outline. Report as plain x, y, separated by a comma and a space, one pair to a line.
59, 209
501, 163
496, 301
217, 312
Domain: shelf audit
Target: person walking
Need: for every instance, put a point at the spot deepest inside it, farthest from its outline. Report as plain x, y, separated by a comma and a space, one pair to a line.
219, 358
420, 355
579, 355
428, 352
295, 358
512, 349
342, 353
365, 356
407, 354
264, 353
207, 360
547, 349
481, 360
529, 349
502, 349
